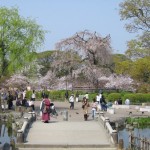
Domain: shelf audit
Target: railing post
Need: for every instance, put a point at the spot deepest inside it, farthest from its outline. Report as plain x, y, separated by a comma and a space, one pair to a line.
115, 136
142, 143
20, 137
106, 120
34, 116
65, 115
12, 144
121, 144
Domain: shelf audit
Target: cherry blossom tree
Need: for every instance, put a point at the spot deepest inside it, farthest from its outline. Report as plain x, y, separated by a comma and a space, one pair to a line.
118, 82
91, 46
17, 80
65, 62
47, 81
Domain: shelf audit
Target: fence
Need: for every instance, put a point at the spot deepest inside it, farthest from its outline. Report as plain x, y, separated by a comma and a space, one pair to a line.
139, 143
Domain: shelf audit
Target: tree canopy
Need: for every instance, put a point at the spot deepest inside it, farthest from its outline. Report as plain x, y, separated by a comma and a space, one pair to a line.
91, 46
138, 14
19, 38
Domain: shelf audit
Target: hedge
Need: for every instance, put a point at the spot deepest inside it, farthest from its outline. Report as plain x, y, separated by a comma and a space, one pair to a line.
113, 97
59, 95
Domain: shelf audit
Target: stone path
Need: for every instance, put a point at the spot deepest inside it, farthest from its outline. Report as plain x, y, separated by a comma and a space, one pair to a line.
75, 133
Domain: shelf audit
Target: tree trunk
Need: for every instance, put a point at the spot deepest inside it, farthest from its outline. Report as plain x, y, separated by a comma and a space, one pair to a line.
0, 104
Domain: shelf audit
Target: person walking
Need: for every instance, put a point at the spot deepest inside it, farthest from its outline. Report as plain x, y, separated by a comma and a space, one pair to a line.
94, 108
85, 105
77, 97
43, 94
33, 95
71, 101
45, 108
103, 103
66, 96
4, 100
31, 104
10, 100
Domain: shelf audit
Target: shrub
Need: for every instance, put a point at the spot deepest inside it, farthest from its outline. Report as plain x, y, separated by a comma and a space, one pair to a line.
113, 97
92, 96
131, 97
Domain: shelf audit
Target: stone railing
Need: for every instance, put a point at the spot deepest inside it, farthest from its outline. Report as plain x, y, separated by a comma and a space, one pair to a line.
21, 133
113, 134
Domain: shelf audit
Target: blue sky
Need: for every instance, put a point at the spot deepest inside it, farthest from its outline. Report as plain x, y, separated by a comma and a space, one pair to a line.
63, 18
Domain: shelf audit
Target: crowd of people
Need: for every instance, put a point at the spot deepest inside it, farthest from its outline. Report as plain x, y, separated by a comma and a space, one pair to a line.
13, 98
47, 107
98, 103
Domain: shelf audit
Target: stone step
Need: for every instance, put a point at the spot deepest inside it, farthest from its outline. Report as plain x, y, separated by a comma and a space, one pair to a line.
110, 148
65, 147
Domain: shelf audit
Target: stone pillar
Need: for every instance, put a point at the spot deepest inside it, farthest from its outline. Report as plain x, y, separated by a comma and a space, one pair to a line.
115, 136
121, 144
12, 144
31, 113
34, 116
20, 138
65, 115
106, 120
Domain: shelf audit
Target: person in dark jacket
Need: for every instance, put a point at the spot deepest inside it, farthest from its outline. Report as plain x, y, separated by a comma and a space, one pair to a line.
10, 100
103, 103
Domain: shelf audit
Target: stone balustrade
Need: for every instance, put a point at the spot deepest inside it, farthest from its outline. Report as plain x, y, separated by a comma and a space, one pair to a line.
113, 134
21, 133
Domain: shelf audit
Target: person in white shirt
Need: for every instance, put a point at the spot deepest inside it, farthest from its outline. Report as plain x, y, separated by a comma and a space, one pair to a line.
33, 95
31, 104
94, 108
97, 98
71, 101
86, 96
127, 101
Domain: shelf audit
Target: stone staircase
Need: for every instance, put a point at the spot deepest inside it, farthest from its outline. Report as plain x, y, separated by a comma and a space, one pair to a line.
70, 148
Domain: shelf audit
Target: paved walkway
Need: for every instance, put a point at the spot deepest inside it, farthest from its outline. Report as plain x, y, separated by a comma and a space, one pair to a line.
74, 133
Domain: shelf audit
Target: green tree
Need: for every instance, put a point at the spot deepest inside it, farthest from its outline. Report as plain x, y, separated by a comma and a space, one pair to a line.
19, 39
45, 59
141, 70
139, 48
123, 67
137, 13
117, 58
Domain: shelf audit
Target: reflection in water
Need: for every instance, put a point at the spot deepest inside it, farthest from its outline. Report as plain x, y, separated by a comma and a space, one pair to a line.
124, 134
4, 137
6, 134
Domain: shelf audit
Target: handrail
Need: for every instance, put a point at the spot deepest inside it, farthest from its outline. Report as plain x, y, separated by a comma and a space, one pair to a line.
21, 133
113, 134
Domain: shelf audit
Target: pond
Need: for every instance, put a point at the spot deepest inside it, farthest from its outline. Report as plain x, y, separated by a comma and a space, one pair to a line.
6, 135
124, 134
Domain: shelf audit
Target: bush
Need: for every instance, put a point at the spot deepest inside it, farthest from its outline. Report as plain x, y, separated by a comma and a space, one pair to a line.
137, 97
92, 96
131, 97
113, 97
60, 96
146, 97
